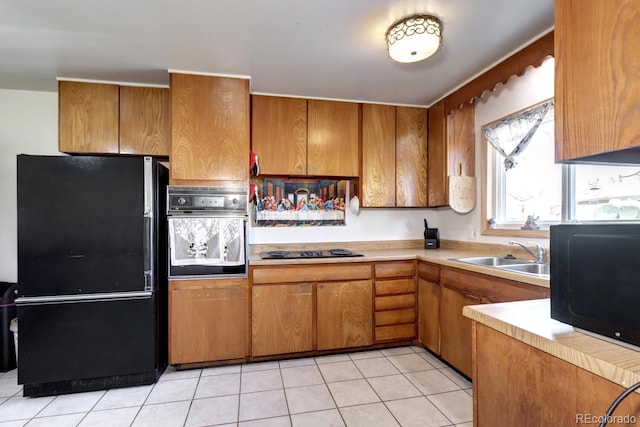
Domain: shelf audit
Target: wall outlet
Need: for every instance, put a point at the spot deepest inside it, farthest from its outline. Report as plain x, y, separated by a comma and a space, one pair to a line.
473, 234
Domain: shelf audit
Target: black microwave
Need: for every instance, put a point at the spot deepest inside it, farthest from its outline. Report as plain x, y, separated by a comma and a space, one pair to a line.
595, 279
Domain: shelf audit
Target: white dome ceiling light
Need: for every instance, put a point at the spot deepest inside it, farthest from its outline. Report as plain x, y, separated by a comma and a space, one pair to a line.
414, 38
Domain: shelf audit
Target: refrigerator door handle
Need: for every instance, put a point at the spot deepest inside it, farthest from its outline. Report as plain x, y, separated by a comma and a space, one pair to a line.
148, 187
148, 281
70, 299
148, 238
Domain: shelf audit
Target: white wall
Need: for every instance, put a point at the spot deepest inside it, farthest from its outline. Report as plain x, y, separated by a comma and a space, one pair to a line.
369, 224
29, 125
29, 120
534, 86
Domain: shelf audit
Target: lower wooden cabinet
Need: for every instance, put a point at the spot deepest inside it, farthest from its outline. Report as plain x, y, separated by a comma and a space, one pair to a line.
460, 288
429, 314
310, 308
455, 342
207, 320
282, 319
344, 314
314, 307
548, 392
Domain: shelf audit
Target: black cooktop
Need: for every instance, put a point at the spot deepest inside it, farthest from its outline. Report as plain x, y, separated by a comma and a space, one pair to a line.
329, 253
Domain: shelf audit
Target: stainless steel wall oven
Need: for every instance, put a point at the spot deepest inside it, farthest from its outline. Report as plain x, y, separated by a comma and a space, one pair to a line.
207, 231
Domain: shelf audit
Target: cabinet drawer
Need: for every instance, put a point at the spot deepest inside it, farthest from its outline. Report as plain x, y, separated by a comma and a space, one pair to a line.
395, 269
492, 289
311, 273
394, 287
395, 317
395, 301
395, 332
429, 272
209, 284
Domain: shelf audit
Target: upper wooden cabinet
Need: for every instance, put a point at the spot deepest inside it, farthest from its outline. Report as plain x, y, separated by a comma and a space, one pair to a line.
597, 90
333, 138
461, 141
210, 128
87, 117
394, 156
279, 134
110, 119
411, 157
299, 137
437, 184
145, 125
451, 149
378, 156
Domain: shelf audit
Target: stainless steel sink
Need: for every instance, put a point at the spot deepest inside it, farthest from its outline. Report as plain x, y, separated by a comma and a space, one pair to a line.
537, 269
515, 265
492, 261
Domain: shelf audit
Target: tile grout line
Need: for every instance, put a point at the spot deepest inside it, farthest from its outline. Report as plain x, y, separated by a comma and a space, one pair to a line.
284, 392
374, 390
193, 397
326, 384
350, 357
421, 392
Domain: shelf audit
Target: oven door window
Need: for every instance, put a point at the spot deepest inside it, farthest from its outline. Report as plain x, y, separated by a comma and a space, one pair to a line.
206, 241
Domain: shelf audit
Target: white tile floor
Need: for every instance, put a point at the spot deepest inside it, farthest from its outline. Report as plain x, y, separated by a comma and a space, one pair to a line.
404, 386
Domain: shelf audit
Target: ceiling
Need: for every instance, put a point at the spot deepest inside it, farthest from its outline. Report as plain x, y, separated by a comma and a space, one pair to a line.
332, 49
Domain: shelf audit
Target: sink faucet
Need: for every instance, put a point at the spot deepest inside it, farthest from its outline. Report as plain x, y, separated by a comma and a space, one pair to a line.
540, 253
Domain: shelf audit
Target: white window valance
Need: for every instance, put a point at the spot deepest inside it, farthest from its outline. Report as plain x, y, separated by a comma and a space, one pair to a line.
511, 136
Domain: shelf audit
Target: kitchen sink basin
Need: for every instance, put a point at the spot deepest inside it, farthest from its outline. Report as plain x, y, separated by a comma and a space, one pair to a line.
492, 261
515, 265
537, 269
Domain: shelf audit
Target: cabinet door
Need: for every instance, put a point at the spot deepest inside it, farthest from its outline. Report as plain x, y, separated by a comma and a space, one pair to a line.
378, 155
207, 324
505, 394
411, 157
210, 128
437, 157
455, 339
145, 125
333, 138
344, 314
281, 319
279, 134
597, 92
87, 118
461, 141
429, 314
508, 394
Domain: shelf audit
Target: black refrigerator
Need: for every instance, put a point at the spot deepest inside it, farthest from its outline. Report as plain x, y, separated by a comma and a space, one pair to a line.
92, 272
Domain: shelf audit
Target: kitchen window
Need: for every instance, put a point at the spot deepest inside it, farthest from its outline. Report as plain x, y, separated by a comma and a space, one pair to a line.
525, 191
